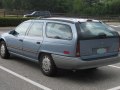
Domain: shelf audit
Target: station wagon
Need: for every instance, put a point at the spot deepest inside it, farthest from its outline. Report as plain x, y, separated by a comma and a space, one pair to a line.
66, 43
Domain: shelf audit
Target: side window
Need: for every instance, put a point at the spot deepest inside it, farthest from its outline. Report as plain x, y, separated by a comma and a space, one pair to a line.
22, 28
58, 31
36, 29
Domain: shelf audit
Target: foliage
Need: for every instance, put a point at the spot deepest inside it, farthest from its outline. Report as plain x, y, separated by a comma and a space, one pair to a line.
77, 7
11, 21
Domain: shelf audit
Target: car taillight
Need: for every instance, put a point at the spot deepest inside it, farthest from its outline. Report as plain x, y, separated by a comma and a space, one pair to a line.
78, 50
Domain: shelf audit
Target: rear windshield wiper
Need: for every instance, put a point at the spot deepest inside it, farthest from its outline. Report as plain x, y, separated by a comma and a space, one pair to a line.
102, 35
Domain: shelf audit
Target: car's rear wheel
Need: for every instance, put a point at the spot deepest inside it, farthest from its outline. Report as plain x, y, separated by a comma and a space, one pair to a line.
4, 51
47, 64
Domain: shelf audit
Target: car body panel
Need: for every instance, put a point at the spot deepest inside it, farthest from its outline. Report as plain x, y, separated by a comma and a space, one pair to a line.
30, 46
13, 43
111, 45
75, 63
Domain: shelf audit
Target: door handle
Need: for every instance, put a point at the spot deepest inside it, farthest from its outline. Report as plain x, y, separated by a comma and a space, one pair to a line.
21, 40
38, 42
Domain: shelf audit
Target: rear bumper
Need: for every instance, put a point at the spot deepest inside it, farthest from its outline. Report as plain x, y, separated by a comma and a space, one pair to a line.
77, 63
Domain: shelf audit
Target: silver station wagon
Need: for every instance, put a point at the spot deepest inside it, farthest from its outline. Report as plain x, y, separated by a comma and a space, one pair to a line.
66, 43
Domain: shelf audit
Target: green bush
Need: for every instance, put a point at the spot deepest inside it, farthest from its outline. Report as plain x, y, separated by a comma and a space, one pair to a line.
4, 22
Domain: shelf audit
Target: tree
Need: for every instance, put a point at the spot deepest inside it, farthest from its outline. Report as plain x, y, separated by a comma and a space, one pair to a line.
7, 4
0, 4
78, 6
75, 7
91, 2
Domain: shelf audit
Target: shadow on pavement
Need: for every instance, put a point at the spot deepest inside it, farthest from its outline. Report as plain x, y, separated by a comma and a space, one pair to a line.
82, 76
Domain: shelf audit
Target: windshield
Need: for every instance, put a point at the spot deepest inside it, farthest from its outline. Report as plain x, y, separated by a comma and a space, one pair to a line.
96, 29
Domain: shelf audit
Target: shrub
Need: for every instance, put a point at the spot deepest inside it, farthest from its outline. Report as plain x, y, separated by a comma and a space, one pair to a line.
8, 21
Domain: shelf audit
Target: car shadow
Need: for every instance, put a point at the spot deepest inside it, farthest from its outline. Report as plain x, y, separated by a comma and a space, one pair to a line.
89, 76
82, 76
33, 64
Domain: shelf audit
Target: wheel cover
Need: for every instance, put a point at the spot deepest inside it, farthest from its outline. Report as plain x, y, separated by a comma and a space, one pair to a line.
2, 50
46, 64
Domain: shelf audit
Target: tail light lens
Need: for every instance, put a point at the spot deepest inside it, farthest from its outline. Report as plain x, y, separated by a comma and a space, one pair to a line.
78, 50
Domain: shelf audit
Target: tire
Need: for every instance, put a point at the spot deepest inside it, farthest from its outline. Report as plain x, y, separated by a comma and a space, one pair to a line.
3, 50
47, 65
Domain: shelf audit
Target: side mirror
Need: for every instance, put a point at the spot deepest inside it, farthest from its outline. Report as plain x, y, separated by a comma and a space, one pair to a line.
13, 32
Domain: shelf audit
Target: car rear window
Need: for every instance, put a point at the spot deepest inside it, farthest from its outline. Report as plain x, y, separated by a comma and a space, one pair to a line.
96, 30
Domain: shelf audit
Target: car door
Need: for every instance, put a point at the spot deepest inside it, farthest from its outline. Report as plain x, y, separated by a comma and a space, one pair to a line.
15, 41
33, 40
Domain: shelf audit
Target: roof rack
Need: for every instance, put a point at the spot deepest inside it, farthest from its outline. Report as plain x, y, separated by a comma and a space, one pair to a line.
54, 19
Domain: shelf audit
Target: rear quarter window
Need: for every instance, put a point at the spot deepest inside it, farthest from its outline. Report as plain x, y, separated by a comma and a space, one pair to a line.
58, 31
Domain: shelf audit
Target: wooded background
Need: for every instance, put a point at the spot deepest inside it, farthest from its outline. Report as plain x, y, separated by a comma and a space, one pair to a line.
72, 7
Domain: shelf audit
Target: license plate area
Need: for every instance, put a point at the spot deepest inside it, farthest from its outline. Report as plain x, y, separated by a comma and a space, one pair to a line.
101, 50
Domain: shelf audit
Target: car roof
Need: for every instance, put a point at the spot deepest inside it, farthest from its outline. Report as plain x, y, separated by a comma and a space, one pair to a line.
71, 20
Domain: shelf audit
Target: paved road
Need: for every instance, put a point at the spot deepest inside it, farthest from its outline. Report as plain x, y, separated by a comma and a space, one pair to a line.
20, 74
